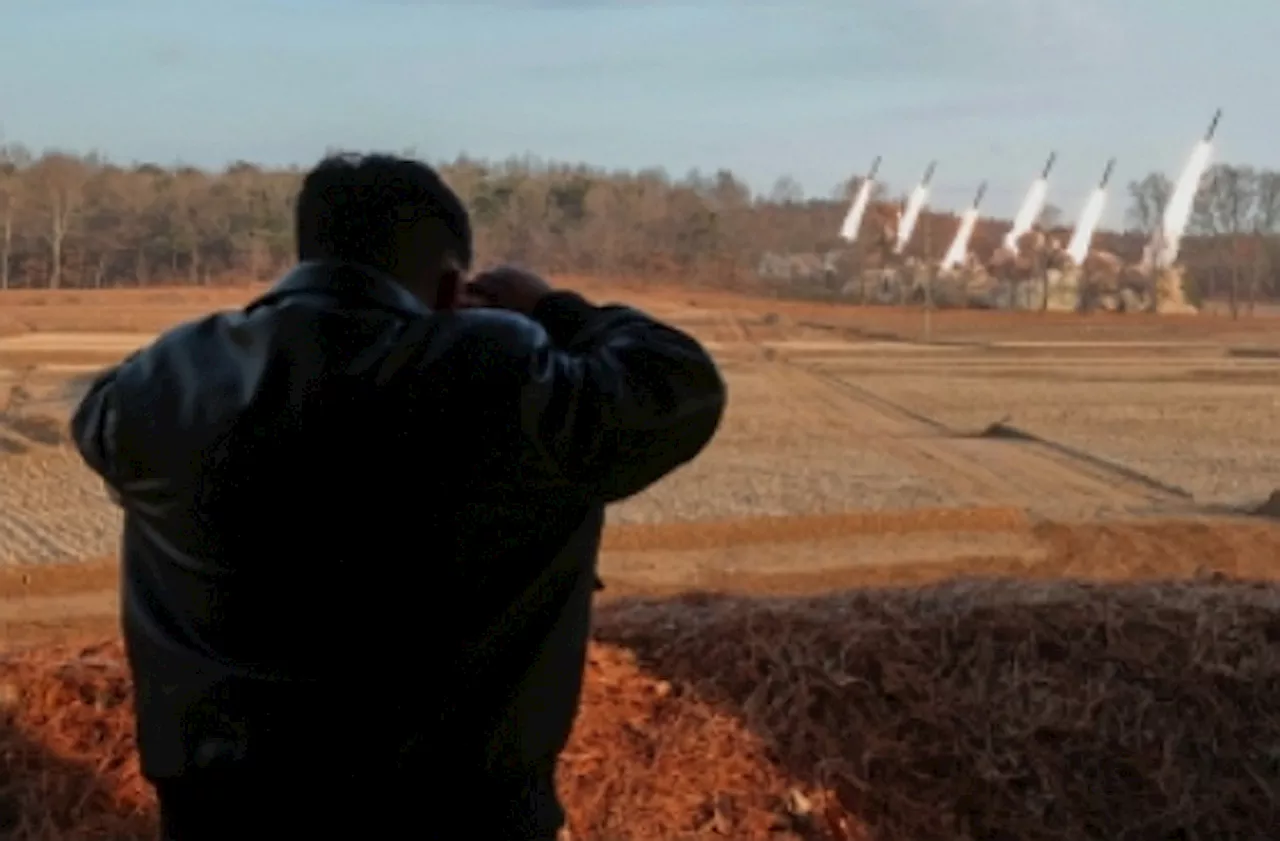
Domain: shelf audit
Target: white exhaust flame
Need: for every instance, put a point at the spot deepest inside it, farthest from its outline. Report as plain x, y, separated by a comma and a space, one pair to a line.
960, 243
1087, 225
1165, 246
907, 226
857, 210
1032, 205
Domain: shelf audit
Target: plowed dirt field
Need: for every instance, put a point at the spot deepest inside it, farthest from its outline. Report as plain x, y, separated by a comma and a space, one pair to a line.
1014, 443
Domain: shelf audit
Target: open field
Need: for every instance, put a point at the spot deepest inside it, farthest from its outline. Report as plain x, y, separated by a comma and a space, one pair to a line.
1034, 448
1157, 419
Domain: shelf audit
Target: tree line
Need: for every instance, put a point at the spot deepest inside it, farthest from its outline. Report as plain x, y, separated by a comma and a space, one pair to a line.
69, 220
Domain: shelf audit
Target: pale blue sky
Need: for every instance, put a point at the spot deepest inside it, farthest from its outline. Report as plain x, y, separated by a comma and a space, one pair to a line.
812, 89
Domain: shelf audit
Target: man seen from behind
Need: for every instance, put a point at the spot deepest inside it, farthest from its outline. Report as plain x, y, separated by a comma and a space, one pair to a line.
362, 518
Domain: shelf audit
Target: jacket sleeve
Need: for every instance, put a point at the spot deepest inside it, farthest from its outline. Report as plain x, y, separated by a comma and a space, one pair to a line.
98, 424
95, 428
616, 400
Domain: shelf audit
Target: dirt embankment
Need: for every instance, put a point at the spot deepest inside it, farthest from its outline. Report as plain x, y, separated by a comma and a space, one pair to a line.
967, 710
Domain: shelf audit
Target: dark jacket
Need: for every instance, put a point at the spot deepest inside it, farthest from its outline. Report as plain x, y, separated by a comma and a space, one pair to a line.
360, 536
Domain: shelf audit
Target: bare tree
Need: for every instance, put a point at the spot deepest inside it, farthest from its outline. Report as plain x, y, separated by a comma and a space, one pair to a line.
1226, 210
9, 185
1267, 229
1148, 199
8, 208
786, 190
59, 181
80, 221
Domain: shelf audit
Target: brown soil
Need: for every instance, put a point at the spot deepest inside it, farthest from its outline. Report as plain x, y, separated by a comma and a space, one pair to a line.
1009, 709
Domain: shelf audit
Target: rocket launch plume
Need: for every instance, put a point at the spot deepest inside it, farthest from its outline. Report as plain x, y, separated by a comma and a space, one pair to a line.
858, 208
1028, 213
911, 215
1090, 216
1031, 207
960, 243
1168, 240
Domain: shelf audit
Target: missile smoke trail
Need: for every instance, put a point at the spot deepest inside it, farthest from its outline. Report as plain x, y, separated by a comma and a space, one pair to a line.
908, 224
858, 209
1090, 216
1082, 236
915, 204
1177, 213
1031, 207
960, 243
1028, 213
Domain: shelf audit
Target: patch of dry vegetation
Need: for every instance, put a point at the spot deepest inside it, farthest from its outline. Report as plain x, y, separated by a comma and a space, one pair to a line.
966, 710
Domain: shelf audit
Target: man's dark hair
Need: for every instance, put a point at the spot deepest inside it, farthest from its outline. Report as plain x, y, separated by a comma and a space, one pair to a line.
352, 208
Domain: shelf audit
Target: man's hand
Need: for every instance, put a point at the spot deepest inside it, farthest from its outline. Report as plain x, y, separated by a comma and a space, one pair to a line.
506, 287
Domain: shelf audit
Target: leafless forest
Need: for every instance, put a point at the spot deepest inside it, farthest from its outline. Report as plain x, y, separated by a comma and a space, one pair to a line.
72, 221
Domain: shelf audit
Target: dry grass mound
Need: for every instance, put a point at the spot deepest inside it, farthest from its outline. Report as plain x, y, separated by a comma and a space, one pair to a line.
971, 710
998, 710
1270, 508
68, 767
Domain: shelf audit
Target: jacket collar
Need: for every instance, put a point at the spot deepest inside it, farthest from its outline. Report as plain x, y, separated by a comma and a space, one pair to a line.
347, 282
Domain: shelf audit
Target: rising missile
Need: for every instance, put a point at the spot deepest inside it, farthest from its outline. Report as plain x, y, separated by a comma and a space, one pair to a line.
1048, 165
1166, 240
1106, 174
1032, 204
911, 213
1090, 214
964, 232
858, 207
982, 191
1213, 126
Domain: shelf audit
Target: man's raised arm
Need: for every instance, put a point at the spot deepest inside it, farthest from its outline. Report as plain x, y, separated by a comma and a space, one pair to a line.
611, 397
95, 428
